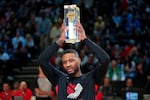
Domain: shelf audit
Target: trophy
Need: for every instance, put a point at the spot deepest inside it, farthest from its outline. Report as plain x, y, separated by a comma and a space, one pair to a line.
71, 16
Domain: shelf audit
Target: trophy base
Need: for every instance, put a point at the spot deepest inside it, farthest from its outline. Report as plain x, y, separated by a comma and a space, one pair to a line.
72, 41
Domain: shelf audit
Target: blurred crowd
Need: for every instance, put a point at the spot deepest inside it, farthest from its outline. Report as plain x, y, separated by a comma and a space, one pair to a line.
121, 27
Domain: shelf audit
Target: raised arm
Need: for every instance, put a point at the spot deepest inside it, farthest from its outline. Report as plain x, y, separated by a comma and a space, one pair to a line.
44, 59
99, 71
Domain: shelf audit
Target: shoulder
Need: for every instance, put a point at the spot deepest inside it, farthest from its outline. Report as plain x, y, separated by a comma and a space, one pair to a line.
29, 90
88, 75
1, 93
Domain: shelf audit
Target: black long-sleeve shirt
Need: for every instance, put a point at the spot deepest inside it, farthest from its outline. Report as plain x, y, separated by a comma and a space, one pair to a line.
66, 84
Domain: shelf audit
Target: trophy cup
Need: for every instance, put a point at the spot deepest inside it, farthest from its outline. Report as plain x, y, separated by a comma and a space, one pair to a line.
71, 16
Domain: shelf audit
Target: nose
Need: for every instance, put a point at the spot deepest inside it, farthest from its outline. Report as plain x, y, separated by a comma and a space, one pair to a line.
68, 64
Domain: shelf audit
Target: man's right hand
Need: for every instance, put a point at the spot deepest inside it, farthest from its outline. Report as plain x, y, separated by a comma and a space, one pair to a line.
61, 39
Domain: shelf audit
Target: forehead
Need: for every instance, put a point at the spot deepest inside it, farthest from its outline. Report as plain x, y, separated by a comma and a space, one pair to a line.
22, 84
68, 55
5, 85
129, 80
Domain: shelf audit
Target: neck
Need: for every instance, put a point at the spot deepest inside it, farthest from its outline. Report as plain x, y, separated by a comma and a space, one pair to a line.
6, 92
78, 74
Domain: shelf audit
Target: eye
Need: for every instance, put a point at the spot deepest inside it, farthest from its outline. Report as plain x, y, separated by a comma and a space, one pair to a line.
71, 60
64, 62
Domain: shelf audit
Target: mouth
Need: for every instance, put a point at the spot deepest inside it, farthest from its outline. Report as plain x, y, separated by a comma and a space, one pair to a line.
70, 70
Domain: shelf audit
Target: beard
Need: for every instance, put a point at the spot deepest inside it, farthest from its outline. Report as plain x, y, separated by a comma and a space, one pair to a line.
73, 72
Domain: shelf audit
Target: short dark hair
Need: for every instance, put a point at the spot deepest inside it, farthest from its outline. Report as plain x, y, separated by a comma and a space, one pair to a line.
71, 51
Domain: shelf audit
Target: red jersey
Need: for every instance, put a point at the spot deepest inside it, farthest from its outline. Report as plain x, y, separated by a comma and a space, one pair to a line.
15, 93
6, 96
27, 94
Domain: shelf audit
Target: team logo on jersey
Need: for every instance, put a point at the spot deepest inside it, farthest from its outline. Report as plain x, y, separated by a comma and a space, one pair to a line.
74, 90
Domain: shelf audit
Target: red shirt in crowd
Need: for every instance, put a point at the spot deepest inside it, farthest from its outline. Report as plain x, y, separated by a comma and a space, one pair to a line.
27, 94
6, 96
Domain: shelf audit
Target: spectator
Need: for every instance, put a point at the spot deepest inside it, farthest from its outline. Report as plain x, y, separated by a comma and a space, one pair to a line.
16, 86
55, 31
116, 18
147, 85
116, 52
99, 25
83, 56
44, 25
29, 41
21, 55
58, 57
6, 94
18, 38
108, 90
91, 63
43, 88
4, 60
129, 67
115, 72
31, 47
3, 55
24, 91
140, 76
130, 89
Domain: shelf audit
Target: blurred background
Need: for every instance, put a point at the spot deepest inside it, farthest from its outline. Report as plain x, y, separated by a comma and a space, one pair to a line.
121, 27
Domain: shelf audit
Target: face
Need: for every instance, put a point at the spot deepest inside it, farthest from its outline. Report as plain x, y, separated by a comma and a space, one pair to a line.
16, 85
23, 85
129, 83
71, 63
113, 63
6, 87
106, 81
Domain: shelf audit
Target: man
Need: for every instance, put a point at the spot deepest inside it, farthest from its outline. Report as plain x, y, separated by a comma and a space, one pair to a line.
72, 84
24, 92
130, 92
6, 94
108, 90
16, 86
